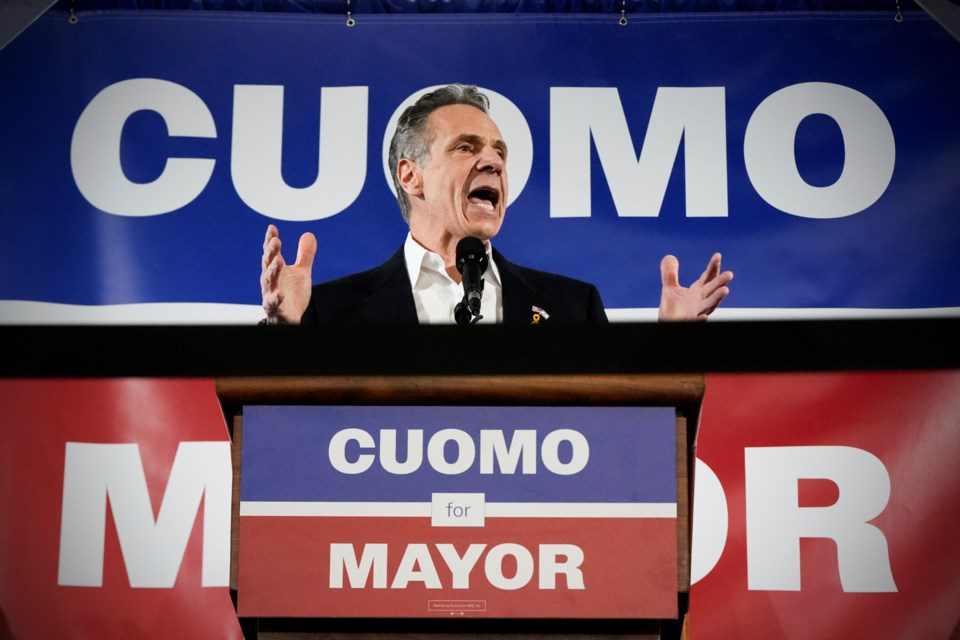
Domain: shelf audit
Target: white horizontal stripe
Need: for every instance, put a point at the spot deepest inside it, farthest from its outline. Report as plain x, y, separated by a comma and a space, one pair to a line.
173, 313
581, 510
492, 509
337, 509
725, 314
203, 313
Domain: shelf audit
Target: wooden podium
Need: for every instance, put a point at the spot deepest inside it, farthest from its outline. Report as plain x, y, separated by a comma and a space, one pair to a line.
684, 393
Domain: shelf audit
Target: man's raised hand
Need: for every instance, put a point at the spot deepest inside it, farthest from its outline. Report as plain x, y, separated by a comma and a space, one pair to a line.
285, 289
697, 301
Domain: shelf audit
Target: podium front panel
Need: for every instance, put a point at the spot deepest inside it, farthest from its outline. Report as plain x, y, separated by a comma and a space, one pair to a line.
456, 511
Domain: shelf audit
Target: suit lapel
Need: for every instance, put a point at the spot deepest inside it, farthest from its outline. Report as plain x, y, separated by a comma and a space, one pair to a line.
390, 294
518, 293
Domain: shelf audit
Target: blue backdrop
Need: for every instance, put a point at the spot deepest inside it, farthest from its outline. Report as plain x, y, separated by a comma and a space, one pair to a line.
841, 77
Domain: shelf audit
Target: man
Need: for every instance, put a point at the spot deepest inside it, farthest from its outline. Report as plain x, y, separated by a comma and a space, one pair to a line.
448, 161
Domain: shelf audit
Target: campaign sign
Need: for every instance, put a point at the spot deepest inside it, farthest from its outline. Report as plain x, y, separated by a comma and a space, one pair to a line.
505, 512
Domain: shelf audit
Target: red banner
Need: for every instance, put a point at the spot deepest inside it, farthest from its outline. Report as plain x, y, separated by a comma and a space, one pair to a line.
115, 497
827, 507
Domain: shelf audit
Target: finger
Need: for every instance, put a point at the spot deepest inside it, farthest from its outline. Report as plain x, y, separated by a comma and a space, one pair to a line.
271, 302
270, 249
713, 268
265, 286
272, 232
306, 250
710, 286
670, 271
271, 306
266, 275
710, 303
270, 278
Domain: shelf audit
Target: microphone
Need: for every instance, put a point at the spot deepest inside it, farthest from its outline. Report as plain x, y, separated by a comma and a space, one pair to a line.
471, 263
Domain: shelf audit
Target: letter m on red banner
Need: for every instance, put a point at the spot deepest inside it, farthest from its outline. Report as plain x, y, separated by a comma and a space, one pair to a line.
116, 503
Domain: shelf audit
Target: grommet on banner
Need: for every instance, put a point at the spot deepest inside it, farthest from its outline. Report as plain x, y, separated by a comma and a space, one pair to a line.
73, 15
350, 21
899, 16
623, 13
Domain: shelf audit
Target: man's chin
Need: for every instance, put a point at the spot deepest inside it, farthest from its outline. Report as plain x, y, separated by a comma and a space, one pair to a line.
484, 234
484, 228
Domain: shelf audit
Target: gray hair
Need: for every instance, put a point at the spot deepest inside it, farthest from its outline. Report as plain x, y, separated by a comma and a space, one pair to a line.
412, 138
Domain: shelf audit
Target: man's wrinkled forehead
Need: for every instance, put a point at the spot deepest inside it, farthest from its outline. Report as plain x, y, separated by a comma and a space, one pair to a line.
442, 116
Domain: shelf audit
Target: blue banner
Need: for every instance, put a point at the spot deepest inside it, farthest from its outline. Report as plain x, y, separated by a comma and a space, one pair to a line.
146, 153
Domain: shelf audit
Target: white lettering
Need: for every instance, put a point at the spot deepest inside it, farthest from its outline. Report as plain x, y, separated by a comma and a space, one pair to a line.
461, 567
551, 565
713, 521
416, 566
776, 522
550, 452
388, 451
344, 559
337, 451
869, 148
256, 158
580, 118
493, 565
95, 148
494, 451
466, 451
493, 447
152, 549
695, 115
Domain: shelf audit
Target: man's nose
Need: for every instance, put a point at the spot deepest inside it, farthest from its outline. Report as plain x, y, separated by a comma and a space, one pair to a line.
490, 160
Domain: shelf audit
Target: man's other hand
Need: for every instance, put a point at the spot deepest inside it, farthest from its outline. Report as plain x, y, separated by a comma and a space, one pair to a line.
285, 289
697, 301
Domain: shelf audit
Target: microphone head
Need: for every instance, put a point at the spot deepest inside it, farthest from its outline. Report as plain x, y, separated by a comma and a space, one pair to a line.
471, 249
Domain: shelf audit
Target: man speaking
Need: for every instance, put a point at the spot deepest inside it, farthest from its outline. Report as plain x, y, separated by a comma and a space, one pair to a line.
448, 161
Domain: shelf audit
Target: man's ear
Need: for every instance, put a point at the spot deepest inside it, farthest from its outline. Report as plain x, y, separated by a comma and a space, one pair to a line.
410, 177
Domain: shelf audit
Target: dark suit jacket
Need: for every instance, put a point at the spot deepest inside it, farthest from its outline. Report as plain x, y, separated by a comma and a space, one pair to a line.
384, 295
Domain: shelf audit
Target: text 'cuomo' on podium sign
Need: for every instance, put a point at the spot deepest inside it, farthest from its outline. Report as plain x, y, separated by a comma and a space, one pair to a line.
505, 512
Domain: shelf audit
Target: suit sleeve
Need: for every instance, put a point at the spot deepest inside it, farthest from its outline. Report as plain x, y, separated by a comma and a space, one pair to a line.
310, 313
596, 314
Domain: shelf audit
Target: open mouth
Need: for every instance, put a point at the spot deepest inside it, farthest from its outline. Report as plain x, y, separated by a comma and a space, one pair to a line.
484, 197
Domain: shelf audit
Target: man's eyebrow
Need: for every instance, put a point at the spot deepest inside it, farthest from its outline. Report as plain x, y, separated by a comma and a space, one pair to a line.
479, 140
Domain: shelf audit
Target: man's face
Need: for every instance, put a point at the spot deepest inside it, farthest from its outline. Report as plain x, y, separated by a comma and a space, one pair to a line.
464, 181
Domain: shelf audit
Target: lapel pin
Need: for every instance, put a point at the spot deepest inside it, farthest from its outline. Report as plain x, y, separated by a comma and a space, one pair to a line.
539, 314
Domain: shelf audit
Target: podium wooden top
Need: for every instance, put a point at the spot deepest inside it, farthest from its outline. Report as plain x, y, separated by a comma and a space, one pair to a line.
557, 390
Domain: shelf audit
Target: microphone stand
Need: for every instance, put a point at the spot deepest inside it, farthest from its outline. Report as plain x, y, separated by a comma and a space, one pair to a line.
463, 315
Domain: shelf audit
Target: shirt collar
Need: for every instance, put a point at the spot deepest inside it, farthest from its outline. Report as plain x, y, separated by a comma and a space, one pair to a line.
417, 258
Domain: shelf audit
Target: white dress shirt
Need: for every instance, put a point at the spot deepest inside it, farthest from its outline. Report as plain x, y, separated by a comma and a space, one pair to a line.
436, 294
